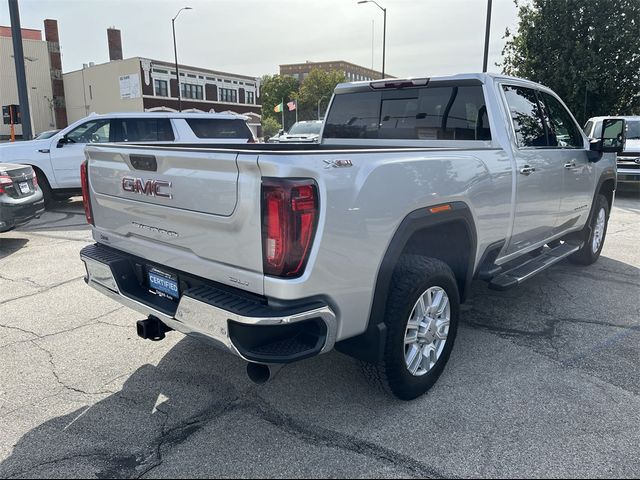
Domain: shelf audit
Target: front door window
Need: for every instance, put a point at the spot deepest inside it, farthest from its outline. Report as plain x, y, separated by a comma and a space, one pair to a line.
93, 131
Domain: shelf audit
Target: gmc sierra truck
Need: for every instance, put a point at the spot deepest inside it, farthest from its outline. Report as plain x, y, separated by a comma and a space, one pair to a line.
366, 242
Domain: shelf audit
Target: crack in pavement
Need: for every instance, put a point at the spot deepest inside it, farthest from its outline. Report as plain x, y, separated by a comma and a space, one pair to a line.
22, 280
43, 290
25, 472
313, 435
59, 380
549, 334
92, 321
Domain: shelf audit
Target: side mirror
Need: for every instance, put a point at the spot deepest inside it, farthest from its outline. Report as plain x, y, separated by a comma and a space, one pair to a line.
281, 131
62, 141
613, 135
611, 141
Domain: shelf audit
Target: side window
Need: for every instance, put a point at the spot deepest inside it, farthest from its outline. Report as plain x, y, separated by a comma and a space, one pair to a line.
354, 115
93, 131
563, 131
144, 130
526, 115
452, 113
220, 128
587, 129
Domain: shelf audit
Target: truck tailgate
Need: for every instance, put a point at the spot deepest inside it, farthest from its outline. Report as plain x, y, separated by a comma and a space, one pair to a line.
192, 210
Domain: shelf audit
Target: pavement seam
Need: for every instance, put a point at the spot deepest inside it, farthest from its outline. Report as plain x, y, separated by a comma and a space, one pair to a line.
88, 323
43, 290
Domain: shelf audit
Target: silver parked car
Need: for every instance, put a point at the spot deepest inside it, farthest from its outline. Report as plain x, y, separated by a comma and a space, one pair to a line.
307, 131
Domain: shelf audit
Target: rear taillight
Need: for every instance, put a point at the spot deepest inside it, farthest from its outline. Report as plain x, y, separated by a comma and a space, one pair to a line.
5, 181
34, 178
289, 220
86, 199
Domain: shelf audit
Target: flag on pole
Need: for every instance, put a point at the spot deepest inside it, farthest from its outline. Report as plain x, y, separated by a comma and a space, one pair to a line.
292, 105
279, 108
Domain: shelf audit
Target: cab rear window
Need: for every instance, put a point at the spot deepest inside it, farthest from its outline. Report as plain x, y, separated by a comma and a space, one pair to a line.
429, 113
220, 128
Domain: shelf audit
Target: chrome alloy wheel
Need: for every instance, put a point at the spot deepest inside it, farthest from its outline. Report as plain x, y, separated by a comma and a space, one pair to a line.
427, 331
598, 231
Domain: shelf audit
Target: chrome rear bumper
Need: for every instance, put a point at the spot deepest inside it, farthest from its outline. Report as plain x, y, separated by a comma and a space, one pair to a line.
225, 328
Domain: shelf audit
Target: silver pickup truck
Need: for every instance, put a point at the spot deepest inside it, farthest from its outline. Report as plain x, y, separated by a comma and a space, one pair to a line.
366, 242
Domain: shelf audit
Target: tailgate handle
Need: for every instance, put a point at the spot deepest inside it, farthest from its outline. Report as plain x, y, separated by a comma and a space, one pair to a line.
144, 162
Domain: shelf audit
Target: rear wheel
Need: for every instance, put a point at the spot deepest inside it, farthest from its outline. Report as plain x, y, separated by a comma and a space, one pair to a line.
422, 321
47, 193
593, 234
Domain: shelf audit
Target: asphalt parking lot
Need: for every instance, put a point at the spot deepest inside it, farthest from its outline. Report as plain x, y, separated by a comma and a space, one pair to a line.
544, 381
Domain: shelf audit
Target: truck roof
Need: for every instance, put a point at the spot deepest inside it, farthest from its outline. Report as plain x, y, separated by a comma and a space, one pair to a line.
625, 117
417, 81
167, 115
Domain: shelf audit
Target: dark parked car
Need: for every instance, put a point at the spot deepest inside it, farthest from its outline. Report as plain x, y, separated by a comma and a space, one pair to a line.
20, 198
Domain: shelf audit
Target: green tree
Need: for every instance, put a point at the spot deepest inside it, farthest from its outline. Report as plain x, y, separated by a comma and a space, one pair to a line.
273, 90
587, 52
317, 86
270, 127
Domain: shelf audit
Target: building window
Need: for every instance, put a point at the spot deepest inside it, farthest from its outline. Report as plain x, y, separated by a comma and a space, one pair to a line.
161, 88
228, 95
191, 91
250, 98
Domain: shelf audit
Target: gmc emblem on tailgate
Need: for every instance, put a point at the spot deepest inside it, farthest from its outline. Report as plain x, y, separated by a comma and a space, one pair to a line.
151, 188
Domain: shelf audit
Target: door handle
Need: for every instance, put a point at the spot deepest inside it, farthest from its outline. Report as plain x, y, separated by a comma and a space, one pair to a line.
527, 170
570, 165
44, 150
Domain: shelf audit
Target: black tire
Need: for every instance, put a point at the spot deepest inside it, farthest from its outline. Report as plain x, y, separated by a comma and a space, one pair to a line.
47, 193
413, 276
587, 255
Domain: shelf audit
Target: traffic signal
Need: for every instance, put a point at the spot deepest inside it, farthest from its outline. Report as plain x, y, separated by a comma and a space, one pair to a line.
9, 112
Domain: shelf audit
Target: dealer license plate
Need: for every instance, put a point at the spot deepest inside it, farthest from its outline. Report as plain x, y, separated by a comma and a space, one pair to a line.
24, 187
164, 284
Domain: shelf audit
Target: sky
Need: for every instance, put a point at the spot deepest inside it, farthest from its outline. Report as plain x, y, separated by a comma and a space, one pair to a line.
253, 37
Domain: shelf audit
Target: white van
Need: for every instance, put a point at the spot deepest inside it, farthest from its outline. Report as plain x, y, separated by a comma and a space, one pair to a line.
57, 159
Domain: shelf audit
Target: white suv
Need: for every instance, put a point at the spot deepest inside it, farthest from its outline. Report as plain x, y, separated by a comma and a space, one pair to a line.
57, 159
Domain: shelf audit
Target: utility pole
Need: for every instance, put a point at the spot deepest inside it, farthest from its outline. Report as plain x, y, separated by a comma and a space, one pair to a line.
18, 55
486, 37
384, 29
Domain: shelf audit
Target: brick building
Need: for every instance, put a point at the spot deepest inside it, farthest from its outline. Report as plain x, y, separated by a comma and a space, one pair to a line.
352, 72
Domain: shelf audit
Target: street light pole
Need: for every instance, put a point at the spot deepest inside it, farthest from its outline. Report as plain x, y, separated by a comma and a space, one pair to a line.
486, 37
21, 77
384, 30
175, 52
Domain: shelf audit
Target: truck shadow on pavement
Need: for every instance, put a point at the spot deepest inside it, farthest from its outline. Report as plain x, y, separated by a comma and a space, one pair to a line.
197, 394
11, 245
64, 216
198, 400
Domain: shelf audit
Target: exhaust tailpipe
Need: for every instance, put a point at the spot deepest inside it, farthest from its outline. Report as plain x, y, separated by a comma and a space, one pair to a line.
151, 329
258, 373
